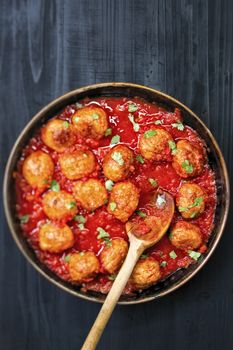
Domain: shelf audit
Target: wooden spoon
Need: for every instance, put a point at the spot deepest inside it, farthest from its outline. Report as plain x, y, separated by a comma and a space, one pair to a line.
162, 206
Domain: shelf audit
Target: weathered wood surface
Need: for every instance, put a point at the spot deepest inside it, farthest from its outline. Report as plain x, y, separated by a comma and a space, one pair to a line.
182, 47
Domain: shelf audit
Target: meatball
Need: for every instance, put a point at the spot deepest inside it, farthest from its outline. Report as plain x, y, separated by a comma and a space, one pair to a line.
145, 273
123, 200
186, 236
38, 169
188, 160
113, 256
58, 135
154, 144
59, 205
77, 164
83, 267
118, 163
91, 194
190, 200
55, 239
90, 122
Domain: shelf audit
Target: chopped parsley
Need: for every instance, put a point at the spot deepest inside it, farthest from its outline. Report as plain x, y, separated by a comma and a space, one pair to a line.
194, 255
71, 205
112, 277
140, 159
112, 206
108, 132
144, 256
24, 219
197, 201
193, 214
187, 166
153, 182
150, 133
163, 263
132, 107
117, 156
78, 105
94, 116
66, 124
80, 218
81, 226
54, 186
109, 185
160, 201
178, 126
159, 122
172, 146
136, 126
141, 213
102, 233
115, 139
172, 254
76, 119
67, 258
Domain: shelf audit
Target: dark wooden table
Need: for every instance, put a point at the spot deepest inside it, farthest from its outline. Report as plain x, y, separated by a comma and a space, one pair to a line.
182, 47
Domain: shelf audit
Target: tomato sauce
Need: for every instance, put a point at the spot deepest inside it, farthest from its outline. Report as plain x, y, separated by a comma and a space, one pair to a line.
29, 201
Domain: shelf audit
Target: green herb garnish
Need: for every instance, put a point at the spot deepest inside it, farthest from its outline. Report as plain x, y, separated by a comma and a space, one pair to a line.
102, 233
172, 146
94, 116
187, 166
172, 254
24, 219
112, 277
194, 255
80, 218
178, 126
115, 139
71, 205
54, 186
153, 182
66, 124
76, 119
109, 185
159, 122
136, 126
140, 159
108, 132
132, 107
144, 256
117, 156
112, 206
67, 258
163, 263
197, 201
141, 213
150, 133
81, 226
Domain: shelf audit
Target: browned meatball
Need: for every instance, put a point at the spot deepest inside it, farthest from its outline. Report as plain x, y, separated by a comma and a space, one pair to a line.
118, 163
154, 144
55, 239
38, 169
91, 194
83, 267
186, 236
112, 256
58, 135
145, 273
90, 122
190, 200
59, 205
123, 200
188, 160
77, 164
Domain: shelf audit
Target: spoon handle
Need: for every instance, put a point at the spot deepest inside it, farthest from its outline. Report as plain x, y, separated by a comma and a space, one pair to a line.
135, 250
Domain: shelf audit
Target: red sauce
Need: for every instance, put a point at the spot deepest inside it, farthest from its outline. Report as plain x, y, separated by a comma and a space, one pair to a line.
29, 201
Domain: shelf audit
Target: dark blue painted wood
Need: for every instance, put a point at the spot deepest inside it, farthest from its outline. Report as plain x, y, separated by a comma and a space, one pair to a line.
182, 47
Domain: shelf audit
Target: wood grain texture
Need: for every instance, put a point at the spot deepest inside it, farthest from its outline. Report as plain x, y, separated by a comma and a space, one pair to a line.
182, 47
